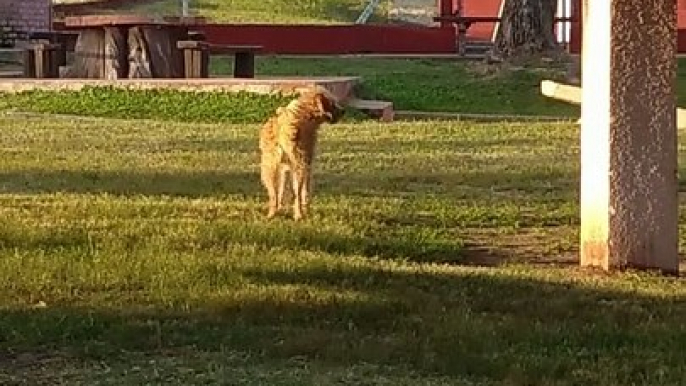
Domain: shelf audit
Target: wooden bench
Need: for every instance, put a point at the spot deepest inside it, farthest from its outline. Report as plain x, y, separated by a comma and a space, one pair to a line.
47, 52
56, 37
197, 58
465, 22
196, 35
43, 60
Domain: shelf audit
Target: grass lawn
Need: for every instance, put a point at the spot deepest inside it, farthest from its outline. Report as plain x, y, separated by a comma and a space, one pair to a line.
423, 85
137, 252
431, 85
264, 11
412, 84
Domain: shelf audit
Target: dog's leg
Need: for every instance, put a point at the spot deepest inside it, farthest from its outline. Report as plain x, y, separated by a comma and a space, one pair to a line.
307, 190
270, 176
283, 180
298, 183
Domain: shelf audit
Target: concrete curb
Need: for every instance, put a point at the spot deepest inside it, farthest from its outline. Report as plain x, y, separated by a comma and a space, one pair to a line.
427, 115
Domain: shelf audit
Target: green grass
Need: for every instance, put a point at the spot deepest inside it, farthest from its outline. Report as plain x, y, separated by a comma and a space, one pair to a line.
137, 252
265, 11
430, 85
240, 107
424, 85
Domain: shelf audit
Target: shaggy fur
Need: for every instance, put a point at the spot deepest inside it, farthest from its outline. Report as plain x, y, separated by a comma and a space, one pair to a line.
287, 143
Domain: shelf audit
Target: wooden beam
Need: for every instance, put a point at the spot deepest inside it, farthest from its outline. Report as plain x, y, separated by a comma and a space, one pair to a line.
573, 94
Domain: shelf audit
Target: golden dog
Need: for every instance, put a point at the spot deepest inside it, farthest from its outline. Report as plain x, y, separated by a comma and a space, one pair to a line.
287, 144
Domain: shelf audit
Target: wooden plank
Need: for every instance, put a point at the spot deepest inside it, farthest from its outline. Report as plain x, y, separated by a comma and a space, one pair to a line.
115, 46
217, 48
196, 63
573, 94
41, 60
89, 55
166, 60
87, 21
139, 59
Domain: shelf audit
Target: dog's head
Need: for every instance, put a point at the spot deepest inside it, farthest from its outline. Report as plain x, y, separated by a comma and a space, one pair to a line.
325, 104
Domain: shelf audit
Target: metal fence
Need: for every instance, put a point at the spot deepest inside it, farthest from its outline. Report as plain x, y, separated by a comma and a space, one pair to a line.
413, 11
422, 12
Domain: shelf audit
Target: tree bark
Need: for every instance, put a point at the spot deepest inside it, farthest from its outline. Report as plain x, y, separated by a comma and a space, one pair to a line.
526, 28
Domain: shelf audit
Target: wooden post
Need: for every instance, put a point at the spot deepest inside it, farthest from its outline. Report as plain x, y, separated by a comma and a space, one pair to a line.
42, 60
139, 59
166, 60
196, 58
116, 53
629, 206
446, 8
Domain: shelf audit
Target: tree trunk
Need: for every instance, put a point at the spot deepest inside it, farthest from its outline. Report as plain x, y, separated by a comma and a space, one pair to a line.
526, 28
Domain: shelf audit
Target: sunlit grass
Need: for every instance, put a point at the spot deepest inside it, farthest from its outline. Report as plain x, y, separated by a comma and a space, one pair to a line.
137, 251
249, 11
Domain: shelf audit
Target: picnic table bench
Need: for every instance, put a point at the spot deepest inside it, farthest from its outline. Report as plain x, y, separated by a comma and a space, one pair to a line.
129, 46
111, 47
47, 52
197, 54
465, 22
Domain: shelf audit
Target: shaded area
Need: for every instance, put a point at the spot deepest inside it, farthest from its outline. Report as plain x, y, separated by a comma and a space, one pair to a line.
221, 233
190, 184
467, 324
368, 184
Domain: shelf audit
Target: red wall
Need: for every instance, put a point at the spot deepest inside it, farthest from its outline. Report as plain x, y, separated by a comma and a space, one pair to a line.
354, 39
481, 31
343, 39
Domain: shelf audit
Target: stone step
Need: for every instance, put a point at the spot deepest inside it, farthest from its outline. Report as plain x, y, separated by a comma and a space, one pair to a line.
480, 43
383, 110
477, 48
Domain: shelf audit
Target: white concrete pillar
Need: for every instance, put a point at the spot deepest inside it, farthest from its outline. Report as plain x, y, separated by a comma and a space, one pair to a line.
629, 205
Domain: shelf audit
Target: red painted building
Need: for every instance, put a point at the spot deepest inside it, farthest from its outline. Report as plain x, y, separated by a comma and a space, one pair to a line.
366, 38
570, 34
396, 39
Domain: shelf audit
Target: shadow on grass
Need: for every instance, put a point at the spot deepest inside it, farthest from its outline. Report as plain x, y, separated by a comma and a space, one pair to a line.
397, 243
482, 326
389, 183
126, 183
400, 243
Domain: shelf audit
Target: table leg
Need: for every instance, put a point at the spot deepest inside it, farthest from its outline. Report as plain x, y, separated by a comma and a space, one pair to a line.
139, 60
89, 55
166, 60
115, 63
244, 65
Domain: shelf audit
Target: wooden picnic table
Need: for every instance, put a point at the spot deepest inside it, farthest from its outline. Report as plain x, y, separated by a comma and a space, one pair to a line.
463, 24
128, 46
